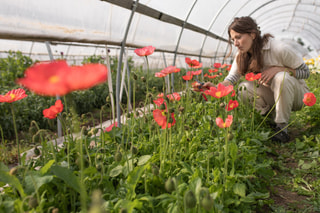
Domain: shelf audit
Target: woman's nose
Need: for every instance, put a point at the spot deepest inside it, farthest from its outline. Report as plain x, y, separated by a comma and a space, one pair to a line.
236, 43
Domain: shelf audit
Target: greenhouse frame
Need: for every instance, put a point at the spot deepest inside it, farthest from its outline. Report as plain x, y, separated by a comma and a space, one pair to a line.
193, 149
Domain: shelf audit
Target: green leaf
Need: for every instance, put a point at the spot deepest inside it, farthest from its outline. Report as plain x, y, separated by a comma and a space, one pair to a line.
35, 181
132, 181
5, 177
239, 189
46, 167
67, 176
116, 171
233, 151
143, 159
3, 167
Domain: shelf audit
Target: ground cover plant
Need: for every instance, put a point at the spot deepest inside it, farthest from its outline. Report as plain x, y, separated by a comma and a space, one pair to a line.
194, 152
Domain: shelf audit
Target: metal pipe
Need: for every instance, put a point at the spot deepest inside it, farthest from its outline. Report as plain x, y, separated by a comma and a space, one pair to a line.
123, 43
57, 97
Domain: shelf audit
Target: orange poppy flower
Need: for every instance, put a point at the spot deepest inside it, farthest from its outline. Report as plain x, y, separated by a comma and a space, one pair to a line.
160, 117
145, 51
232, 105
251, 76
221, 124
53, 111
13, 95
109, 128
220, 91
57, 78
309, 99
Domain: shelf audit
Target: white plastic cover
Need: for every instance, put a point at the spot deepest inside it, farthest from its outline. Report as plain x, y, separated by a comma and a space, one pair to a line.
25, 24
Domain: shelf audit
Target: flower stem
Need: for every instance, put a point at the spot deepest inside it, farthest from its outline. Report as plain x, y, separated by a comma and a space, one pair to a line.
16, 131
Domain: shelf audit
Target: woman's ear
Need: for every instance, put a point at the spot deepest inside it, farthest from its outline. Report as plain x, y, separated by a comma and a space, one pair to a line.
253, 35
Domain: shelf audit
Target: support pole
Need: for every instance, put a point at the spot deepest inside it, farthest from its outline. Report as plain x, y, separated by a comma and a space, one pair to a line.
57, 97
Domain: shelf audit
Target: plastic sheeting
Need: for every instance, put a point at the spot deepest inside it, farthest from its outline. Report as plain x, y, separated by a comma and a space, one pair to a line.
187, 27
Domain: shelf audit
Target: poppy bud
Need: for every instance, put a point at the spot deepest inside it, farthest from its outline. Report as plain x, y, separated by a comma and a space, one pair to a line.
190, 199
171, 110
170, 120
181, 109
33, 202
13, 171
99, 167
118, 156
162, 106
230, 136
55, 210
155, 170
108, 99
123, 210
207, 202
36, 151
170, 184
143, 79
134, 76
222, 105
134, 150
149, 95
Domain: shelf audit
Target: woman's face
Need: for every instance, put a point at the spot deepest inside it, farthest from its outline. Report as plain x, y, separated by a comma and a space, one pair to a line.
242, 41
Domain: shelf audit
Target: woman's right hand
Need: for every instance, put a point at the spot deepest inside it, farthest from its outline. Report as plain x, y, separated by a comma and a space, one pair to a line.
197, 86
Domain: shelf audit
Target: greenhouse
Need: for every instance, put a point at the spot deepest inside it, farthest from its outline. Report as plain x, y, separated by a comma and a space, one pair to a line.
159, 106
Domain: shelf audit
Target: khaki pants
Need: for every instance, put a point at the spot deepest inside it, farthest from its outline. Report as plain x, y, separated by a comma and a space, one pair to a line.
285, 91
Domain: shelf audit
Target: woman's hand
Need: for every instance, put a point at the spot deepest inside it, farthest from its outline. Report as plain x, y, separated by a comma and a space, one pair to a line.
268, 74
197, 86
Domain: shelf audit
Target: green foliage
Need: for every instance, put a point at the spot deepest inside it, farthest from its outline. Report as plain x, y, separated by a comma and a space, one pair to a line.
13, 67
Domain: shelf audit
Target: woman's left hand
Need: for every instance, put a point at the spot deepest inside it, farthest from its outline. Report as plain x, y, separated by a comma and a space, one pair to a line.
268, 74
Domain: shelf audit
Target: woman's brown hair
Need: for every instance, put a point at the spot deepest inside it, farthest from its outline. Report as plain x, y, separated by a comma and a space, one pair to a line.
249, 62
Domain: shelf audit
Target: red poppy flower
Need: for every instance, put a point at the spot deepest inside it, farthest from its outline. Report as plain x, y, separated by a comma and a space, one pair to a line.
160, 95
159, 101
193, 63
174, 96
177, 70
251, 76
223, 124
145, 51
217, 65
212, 76
57, 78
159, 75
13, 95
169, 70
53, 111
212, 71
224, 65
109, 128
233, 93
187, 77
198, 72
219, 91
309, 99
232, 105
160, 117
